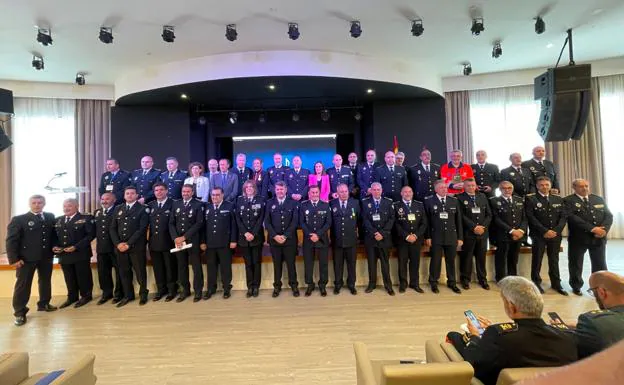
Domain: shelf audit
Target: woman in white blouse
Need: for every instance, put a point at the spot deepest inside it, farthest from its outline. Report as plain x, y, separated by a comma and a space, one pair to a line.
197, 179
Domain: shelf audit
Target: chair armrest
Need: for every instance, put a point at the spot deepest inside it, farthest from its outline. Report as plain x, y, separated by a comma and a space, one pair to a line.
13, 368
451, 352
449, 373
511, 376
79, 374
434, 352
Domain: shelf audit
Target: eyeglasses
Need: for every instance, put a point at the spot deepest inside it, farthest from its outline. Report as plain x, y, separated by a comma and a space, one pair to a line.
592, 291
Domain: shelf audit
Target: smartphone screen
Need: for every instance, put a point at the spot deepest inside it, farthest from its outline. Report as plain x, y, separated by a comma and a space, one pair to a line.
474, 321
555, 317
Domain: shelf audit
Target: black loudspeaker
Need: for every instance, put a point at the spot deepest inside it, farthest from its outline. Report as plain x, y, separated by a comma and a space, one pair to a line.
565, 95
6, 102
5, 142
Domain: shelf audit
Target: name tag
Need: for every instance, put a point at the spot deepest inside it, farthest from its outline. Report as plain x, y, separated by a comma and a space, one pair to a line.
476, 210
109, 187
376, 217
411, 217
256, 206
444, 215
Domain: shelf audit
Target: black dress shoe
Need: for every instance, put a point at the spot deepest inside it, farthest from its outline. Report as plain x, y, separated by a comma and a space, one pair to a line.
67, 303
197, 298
390, 291
295, 291
434, 288
466, 286
577, 292
170, 297
276, 293
47, 308
207, 295
255, 292
143, 300
485, 285
157, 297
560, 291
353, 290
116, 300
309, 290
181, 298
539, 287
401, 289
249, 293
369, 289
20, 320
336, 290
227, 294
103, 300
417, 289
124, 302
455, 289
83, 301
323, 291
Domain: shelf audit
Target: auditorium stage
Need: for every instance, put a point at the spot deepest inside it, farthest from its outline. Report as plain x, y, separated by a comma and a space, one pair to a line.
263, 340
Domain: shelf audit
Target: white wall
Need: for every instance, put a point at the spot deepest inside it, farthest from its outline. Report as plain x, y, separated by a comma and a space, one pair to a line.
58, 90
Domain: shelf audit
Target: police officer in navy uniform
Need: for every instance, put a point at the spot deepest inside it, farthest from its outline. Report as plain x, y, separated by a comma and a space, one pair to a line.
410, 228
315, 221
29, 242
144, 179
476, 220
114, 180
422, 175
261, 178
219, 241
445, 235
186, 222
391, 177
486, 174
352, 159
547, 217
106, 256
339, 174
74, 233
281, 220
242, 171
297, 180
164, 263
365, 173
344, 237
542, 167
519, 176
277, 173
378, 218
511, 226
129, 235
249, 216
589, 222
173, 178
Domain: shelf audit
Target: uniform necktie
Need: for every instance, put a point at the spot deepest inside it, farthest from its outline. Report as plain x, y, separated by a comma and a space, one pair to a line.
314, 204
344, 206
481, 167
170, 175
391, 168
223, 179
40, 215
160, 205
66, 219
472, 199
128, 207
144, 172
443, 201
376, 205
508, 201
216, 207
281, 203
427, 168
186, 204
586, 201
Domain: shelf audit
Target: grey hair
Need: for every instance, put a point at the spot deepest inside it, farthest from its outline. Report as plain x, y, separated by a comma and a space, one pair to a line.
523, 294
73, 201
400, 153
37, 196
376, 184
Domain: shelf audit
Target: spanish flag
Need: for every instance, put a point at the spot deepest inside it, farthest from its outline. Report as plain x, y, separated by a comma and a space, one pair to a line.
395, 148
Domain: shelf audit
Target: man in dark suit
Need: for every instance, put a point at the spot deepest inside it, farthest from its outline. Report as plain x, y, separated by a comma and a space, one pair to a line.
422, 175
74, 233
129, 235
164, 263
486, 174
476, 220
365, 173
352, 159
243, 173
144, 179
227, 181
315, 221
344, 237
106, 257
391, 177
519, 177
261, 178
378, 218
173, 178
277, 173
445, 235
114, 180
410, 227
29, 242
589, 222
185, 226
297, 180
542, 167
511, 226
547, 216
339, 174
219, 242
281, 220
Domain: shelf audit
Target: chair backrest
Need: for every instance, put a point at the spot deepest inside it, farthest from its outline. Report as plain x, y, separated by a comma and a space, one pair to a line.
512, 375
452, 373
79, 374
13, 368
365, 373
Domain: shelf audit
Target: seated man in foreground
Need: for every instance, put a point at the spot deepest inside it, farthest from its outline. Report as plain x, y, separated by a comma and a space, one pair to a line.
526, 342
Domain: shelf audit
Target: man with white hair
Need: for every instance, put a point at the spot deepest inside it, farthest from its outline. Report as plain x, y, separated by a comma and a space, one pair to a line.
542, 167
526, 342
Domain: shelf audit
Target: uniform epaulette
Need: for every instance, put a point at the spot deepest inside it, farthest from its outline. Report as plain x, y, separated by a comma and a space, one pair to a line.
429, 197
366, 199
530, 194
307, 200
138, 170
507, 327
493, 197
390, 199
333, 199
597, 313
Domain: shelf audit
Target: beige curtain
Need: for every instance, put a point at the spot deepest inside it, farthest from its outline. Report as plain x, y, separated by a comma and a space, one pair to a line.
582, 158
458, 130
6, 189
92, 148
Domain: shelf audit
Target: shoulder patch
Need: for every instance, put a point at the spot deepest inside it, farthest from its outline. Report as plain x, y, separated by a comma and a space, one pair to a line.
507, 327
493, 198
390, 199
597, 313
429, 197
530, 194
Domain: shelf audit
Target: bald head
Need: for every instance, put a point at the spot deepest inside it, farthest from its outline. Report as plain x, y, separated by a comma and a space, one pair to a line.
608, 288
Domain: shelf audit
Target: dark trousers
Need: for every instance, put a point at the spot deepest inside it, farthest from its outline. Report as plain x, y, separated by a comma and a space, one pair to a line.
133, 259
183, 271
551, 247
219, 258
340, 255
506, 258
372, 254
106, 262
476, 247
165, 268
281, 255
576, 254
78, 279
23, 284
308, 261
253, 265
409, 260
435, 265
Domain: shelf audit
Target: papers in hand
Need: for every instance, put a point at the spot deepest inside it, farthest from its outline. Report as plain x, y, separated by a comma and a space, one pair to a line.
184, 247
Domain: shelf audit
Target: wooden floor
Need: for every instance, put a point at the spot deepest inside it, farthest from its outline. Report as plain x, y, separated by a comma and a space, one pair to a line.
256, 341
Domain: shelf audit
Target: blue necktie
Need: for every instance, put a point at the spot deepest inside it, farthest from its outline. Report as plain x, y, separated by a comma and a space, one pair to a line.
223, 179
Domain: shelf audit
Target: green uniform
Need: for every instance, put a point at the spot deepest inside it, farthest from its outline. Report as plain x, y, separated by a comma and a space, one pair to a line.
596, 330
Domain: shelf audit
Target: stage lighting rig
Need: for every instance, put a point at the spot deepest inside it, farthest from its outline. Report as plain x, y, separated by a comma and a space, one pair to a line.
106, 35
325, 115
37, 62
80, 79
233, 117
540, 25
293, 31
44, 36
477, 26
168, 33
417, 27
356, 29
467, 69
497, 50
230, 32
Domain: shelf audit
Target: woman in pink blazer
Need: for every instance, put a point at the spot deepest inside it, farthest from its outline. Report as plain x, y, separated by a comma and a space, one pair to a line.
320, 179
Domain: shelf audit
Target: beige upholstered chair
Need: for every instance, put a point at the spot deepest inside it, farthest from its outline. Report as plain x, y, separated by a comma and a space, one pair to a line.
14, 371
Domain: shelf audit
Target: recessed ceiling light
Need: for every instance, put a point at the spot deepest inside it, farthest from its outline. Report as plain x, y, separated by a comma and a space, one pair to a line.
184, 96
369, 91
549, 45
597, 11
271, 87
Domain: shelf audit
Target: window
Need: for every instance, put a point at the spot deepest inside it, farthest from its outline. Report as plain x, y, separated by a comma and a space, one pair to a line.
43, 146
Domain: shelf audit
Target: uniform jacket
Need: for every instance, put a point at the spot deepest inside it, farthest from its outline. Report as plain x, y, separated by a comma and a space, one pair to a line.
174, 184
383, 225
297, 182
249, 218
547, 168
422, 181
410, 220
444, 229
103, 220
159, 237
344, 223
475, 212
364, 175
145, 183
489, 175
545, 214
282, 220
315, 220
276, 175
219, 225
596, 330
262, 182
581, 219
391, 183
243, 176
30, 238
508, 217
130, 226
115, 184
187, 222
337, 177
520, 179
78, 232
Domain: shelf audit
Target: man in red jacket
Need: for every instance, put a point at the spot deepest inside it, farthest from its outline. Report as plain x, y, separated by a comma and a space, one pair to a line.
455, 172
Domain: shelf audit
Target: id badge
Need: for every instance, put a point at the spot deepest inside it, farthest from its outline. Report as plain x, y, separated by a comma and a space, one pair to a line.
443, 215
376, 217
109, 187
476, 210
411, 217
